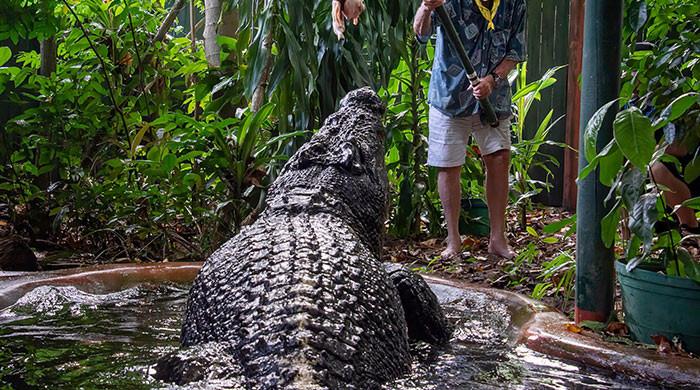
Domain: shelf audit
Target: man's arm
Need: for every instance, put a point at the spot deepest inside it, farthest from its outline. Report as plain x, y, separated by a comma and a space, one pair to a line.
488, 83
422, 24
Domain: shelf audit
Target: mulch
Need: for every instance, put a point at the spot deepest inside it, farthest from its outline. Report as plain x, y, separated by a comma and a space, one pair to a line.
521, 274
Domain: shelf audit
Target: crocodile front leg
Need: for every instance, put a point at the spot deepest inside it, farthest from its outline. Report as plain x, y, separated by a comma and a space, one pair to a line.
424, 316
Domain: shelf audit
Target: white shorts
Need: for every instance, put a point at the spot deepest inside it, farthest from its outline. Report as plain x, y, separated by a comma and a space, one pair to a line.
448, 138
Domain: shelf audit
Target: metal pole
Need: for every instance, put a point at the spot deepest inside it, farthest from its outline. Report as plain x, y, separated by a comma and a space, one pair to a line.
453, 37
595, 277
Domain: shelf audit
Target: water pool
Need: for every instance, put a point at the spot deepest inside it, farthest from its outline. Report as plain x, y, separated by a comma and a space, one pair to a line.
62, 337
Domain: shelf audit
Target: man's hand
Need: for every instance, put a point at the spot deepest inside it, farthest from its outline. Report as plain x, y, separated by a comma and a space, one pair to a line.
484, 88
432, 4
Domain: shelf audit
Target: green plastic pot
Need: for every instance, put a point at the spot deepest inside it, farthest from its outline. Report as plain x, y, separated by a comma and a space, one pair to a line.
474, 218
656, 304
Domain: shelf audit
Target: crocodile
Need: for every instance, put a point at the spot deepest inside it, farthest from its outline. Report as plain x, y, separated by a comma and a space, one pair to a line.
300, 299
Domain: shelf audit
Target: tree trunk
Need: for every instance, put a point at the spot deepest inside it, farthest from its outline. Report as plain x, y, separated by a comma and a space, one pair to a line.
168, 22
48, 56
228, 27
193, 26
163, 29
212, 13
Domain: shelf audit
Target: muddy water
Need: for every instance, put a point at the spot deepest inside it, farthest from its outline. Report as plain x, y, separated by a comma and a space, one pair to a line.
61, 337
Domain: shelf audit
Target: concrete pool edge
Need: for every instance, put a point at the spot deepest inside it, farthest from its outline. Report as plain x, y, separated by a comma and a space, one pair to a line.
533, 324
98, 278
543, 329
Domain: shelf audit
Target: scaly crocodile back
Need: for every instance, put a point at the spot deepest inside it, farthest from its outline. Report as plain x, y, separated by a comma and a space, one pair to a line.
299, 298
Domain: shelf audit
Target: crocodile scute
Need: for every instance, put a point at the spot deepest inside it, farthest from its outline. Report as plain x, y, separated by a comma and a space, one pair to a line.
299, 299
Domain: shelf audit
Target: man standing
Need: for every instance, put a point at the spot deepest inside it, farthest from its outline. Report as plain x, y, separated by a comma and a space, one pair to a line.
493, 33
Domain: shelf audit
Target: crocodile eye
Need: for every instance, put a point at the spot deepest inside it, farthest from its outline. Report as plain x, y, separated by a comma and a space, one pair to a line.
351, 158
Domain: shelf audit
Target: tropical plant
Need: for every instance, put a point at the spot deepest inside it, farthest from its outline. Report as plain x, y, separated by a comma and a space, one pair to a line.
413, 187
291, 47
526, 153
118, 152
557, 278
660, 79
625, 166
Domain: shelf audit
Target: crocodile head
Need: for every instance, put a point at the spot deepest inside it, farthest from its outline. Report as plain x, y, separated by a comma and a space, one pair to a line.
341, 169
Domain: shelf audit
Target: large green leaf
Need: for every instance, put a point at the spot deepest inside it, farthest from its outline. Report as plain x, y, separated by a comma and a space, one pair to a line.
610, 148
676, 109
610, 166
637, 15
609, 225
692, 170
635, 136
593, 128
631, 186
690, 266
5, 55
642, 218
693, 203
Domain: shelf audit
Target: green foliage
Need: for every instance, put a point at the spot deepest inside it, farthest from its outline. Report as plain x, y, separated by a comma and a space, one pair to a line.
666, 67
634, 136
134, 148
311, 69
633, 188
5, 55
526, 153
414, 192
176, 183
28, 19
660, 83
557, 278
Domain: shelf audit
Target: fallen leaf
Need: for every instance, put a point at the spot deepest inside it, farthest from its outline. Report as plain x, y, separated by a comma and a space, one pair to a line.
126, 59
663, 345
618, 329
469, 242
432, 243
573, 328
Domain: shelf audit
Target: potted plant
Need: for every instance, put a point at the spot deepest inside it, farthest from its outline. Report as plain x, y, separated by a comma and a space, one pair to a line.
659, 279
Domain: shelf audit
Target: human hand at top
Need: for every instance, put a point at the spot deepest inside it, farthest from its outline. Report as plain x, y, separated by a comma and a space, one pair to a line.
346, 9
352, 10
432, 4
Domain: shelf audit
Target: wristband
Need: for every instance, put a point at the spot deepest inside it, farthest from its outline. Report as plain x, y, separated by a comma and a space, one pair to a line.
496, 78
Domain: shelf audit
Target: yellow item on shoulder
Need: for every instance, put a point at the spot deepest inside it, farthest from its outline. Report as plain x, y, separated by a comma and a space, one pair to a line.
489, 14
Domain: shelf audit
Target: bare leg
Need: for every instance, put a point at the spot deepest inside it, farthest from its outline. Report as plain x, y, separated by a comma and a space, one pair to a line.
678, 194
497, 167
450, 191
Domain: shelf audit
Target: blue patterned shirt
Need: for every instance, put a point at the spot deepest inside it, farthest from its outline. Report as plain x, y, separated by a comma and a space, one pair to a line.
450, 91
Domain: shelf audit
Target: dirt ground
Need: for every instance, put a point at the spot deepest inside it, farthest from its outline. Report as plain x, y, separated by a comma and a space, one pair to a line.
548, 237
534, 247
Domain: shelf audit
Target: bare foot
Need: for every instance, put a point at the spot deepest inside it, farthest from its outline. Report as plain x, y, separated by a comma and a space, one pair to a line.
499, 247
449, 254
452, 250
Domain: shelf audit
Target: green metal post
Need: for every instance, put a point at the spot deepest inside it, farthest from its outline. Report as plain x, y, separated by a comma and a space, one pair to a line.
595, 274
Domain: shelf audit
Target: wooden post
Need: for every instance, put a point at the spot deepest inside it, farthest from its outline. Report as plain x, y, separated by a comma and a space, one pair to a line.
573, 99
